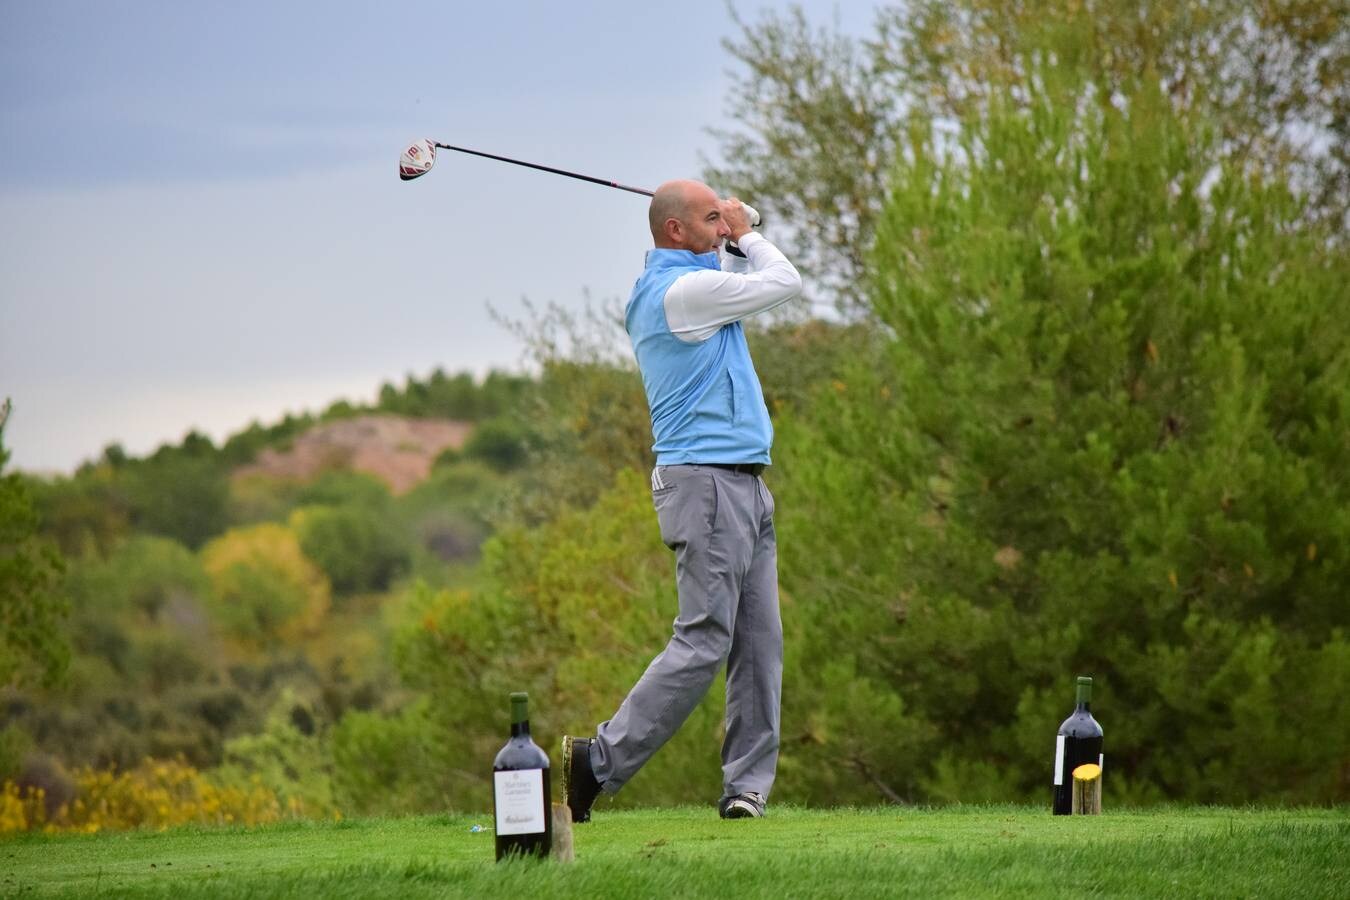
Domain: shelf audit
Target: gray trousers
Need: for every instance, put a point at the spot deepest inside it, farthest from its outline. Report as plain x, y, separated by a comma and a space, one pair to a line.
720, 525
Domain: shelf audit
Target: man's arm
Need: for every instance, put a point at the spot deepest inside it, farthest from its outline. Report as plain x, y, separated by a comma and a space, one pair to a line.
699, 303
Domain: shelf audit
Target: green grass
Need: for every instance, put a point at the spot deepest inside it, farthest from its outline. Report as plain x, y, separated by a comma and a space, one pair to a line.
688, 852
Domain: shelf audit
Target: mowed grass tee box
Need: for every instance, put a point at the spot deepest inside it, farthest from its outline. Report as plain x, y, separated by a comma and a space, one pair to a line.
1010, 851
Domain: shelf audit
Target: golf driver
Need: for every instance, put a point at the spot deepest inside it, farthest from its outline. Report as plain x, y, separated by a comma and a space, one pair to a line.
418, 159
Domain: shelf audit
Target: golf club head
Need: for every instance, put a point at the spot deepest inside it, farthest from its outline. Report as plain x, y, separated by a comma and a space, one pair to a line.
416, 160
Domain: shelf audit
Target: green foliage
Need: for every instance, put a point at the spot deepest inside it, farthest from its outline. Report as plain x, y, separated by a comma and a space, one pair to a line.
456, 396
346, 489
818, 122
290, 756
592, 421
588, 415
264, 589
15, 744
822, 114
572, 611
500, 443
1105, 435
141, 678
32, 645
181, 653
451, 513
359, 550
242, 447
146, 576
87, 513
401, 763
180, 493
1270, 75
258, 497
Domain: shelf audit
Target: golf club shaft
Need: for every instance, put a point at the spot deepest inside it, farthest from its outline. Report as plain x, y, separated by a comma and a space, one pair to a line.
530, 165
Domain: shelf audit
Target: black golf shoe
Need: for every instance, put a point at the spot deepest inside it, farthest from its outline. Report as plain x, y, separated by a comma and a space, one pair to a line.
579, 785
742, 806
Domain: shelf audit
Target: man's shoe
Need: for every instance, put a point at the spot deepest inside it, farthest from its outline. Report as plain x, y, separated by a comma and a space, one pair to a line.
579, 785
742, 806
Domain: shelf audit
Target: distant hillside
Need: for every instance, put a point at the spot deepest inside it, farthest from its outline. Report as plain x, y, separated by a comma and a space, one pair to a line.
397, 450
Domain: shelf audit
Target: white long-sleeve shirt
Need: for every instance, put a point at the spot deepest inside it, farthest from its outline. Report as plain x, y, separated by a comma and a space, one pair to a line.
699, 303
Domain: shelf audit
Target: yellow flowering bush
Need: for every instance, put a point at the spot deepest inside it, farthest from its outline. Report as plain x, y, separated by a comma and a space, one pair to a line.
156, 794
263, 587
24, 811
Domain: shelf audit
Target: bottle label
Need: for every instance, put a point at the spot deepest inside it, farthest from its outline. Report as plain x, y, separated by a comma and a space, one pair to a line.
1059, 760
520, 801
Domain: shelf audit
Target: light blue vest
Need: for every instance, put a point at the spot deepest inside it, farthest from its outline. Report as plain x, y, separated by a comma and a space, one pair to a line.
705, 398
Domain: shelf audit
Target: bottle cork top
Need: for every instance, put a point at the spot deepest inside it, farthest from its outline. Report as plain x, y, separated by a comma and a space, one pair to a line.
520, 707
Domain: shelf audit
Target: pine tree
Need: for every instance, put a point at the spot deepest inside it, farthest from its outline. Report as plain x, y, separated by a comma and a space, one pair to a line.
1103, 431
32, 644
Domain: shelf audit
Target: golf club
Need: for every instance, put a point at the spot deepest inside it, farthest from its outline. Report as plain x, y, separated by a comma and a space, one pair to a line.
418, 159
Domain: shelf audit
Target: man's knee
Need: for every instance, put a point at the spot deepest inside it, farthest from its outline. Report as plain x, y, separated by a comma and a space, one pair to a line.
705, 649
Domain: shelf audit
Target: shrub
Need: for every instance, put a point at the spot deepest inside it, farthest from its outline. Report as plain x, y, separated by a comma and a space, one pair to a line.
359, 550
499, 442
180, 493
155, 794
407, 762
264, 589
142, 576
572, 611
291, 757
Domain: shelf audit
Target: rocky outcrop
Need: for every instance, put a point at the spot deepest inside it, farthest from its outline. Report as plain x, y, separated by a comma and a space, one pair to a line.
398, 451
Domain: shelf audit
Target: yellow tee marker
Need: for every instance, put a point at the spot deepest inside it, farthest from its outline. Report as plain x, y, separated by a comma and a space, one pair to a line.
1087, 790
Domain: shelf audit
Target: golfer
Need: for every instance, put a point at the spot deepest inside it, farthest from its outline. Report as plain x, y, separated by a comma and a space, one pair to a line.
712, 437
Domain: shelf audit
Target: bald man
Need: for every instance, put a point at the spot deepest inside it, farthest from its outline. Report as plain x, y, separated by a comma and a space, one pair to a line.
712, 437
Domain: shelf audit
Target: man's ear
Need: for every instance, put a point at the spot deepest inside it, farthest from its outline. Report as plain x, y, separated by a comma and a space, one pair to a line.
674, 230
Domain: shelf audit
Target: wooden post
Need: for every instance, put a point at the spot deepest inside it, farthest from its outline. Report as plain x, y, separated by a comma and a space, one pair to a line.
563, 851
1087, 790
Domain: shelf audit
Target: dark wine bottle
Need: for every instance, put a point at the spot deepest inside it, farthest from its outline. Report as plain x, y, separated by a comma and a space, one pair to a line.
1079, 741
524, 815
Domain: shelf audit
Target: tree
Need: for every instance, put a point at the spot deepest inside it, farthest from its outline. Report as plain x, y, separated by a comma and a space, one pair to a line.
32, 644
1103, 431
264, 589
499, 442
180, 492
1271, 75
820, 119
87, 513
359, 550
823, 113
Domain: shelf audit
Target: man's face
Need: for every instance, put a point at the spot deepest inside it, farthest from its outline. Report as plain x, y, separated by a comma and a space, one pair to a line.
703, 225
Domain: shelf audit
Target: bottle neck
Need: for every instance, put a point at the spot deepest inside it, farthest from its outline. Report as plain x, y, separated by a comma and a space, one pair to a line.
520, 714
1084, 701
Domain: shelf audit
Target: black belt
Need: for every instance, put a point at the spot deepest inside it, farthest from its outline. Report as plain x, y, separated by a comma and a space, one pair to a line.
747, 468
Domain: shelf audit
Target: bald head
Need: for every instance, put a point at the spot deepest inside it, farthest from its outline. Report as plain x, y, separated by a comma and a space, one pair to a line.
685, 202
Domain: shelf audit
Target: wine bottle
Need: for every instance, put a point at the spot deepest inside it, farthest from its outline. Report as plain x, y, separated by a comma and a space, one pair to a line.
1079, 741
524, 817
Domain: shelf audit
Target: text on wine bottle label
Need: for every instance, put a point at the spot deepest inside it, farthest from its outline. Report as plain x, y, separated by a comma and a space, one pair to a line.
519, 801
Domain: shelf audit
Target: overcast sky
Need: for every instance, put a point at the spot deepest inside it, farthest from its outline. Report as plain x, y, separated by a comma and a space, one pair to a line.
201, 222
